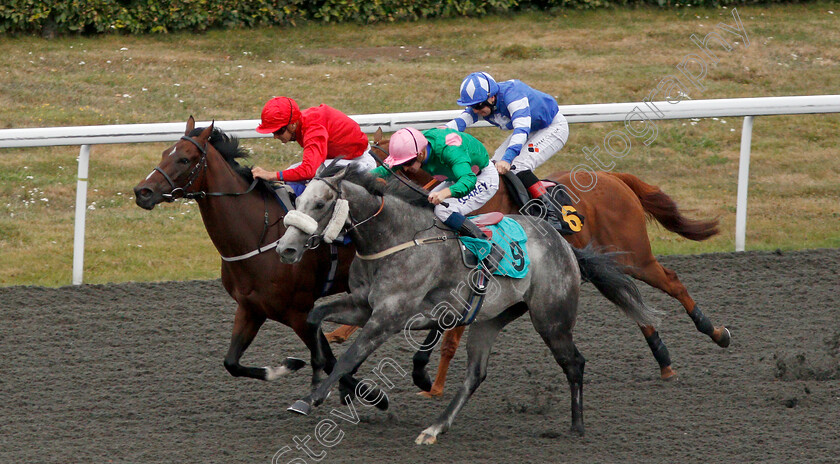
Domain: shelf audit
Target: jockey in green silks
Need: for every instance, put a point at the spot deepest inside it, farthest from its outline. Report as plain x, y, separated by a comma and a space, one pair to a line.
457, 156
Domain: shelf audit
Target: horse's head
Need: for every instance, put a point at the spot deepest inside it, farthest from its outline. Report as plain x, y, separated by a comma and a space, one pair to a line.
179, 167
320, 213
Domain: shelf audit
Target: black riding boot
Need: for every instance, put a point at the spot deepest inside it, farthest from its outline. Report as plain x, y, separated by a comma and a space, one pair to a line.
496, 255
538, 192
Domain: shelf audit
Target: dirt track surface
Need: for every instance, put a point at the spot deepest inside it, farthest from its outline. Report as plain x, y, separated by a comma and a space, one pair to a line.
133, 373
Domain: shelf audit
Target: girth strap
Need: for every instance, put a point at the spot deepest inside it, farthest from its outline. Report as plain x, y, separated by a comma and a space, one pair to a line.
333, 267
259, 250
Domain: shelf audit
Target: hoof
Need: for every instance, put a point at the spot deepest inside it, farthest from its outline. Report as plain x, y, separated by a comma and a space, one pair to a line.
383, 404
724, 338
300, 407
426, 439
577, 430
422, 380
294, 364
667, 374
431, 394
371, 395
345, 398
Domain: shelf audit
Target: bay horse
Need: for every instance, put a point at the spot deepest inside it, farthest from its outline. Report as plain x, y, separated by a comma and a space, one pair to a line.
397, 284
615, 209
243, 221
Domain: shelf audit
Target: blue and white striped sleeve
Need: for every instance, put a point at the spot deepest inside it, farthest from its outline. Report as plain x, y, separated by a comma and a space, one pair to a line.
520, 118
464, 120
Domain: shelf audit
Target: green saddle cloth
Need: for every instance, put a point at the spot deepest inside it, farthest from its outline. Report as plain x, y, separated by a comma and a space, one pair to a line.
511, 238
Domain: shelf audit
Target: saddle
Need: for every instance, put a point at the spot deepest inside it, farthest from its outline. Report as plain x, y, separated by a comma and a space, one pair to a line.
563, 202
484, 221
284, 194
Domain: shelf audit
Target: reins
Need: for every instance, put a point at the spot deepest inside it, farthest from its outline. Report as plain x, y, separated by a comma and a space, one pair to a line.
405, 182
200, 166
313, 240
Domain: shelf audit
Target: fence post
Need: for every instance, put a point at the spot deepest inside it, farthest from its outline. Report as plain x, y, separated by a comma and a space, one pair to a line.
81, 205
743, 184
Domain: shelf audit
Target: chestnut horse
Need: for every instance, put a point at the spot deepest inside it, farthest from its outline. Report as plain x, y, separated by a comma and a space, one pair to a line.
615, 209
243, 221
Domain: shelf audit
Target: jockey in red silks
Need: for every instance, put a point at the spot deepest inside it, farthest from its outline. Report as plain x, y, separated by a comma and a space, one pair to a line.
323, 132
539, 129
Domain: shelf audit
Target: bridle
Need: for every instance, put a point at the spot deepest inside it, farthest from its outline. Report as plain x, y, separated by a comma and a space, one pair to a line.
200, 166
181, 192
337, 223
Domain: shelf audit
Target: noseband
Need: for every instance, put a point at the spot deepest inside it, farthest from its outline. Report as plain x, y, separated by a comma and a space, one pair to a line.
341, 212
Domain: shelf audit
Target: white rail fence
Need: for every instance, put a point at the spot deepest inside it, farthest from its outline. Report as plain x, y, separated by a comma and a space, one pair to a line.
632, 114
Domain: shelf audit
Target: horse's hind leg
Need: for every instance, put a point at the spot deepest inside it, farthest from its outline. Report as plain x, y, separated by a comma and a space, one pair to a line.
341, 334
660, 352
560, 342
666, 280
246, 324
451, 340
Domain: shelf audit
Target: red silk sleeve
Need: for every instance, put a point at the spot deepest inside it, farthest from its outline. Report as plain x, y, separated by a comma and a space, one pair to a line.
314, 155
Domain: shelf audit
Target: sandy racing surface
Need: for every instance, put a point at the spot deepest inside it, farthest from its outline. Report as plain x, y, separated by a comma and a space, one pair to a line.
133, 373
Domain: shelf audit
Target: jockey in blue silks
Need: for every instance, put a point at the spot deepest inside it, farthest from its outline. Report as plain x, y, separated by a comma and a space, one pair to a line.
539, 129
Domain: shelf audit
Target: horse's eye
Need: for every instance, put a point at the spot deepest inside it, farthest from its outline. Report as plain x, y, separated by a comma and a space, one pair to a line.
319, 204
184, 161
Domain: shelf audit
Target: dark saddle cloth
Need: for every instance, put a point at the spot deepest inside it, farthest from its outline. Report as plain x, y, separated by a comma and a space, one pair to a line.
571, 219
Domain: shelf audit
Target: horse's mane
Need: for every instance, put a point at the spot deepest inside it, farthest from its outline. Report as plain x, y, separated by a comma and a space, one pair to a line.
228, 147
375, 185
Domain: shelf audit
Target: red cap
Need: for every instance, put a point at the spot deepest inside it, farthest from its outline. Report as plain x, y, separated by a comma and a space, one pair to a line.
278, 112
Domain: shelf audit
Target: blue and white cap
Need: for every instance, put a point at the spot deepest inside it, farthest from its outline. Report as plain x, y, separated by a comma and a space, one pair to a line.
476, 88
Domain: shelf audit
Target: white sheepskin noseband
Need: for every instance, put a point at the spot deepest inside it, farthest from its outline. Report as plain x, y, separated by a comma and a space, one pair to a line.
339, 218
305, 223
302, 221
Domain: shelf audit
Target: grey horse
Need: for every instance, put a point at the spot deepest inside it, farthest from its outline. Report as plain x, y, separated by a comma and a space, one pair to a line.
409, 269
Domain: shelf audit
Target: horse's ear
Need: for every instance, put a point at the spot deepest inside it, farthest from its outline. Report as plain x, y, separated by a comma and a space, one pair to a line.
205, 134
377, 136
190, 125
341, 174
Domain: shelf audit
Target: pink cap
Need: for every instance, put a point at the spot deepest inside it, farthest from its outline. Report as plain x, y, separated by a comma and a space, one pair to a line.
404, 146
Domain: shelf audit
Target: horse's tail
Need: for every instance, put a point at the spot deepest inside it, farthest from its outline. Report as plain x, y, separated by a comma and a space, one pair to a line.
659, 205
607, 275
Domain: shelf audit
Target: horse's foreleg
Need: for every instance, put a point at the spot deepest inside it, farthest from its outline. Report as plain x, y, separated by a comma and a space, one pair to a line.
245, 327
451, 340
352, 308
482, 336
421, 359
368, 340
